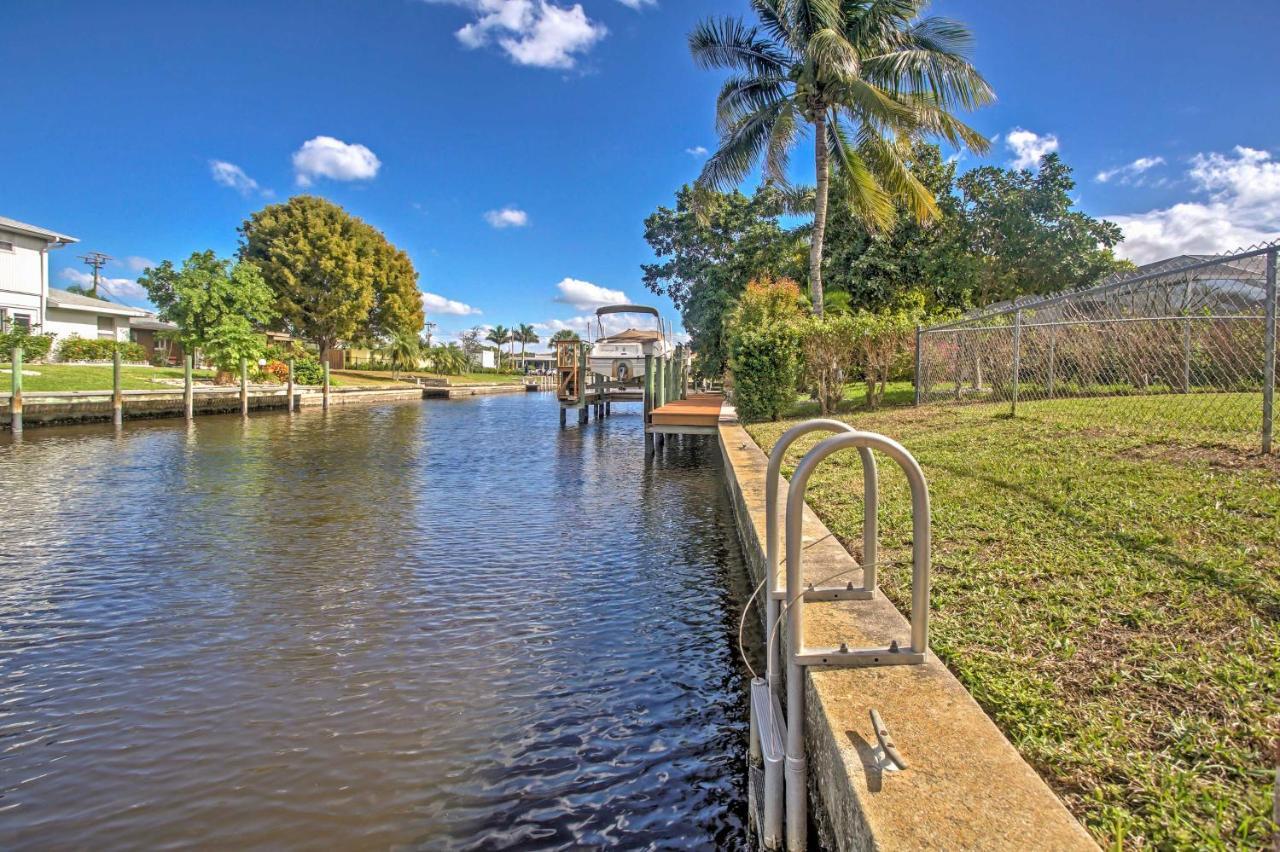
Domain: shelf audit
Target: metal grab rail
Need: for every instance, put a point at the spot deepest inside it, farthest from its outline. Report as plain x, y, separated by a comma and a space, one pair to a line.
798, 656
771, 819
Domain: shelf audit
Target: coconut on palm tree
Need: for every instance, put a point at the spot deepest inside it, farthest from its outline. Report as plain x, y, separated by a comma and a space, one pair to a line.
867, 77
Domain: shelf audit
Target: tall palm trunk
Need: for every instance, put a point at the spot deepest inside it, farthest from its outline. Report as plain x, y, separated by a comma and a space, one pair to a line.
822, 167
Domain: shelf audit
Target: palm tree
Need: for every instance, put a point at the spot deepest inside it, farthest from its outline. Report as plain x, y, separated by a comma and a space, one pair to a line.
564, 334
402, 352
499, 334
525, 334
448, 359
868, 77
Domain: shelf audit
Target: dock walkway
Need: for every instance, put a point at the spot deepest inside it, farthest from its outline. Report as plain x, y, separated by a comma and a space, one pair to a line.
699, 414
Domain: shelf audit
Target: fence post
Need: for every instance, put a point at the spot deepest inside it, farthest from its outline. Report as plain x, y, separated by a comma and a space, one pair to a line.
117, 396
917, 402
244, 387
1186, 337
289, 399
188, 392
15, 400
1053, 360
1017, 359
1269, 362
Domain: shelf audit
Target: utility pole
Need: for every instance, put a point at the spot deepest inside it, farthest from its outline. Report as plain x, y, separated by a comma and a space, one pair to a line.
431, 326
97, 260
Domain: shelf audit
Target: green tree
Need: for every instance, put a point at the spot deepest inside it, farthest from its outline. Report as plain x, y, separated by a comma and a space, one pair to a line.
564, 334
865, 77
764, 348
526, 335
498, 335
1024, 236
872, 271
335, 278
710, 244
403, 351
219, 306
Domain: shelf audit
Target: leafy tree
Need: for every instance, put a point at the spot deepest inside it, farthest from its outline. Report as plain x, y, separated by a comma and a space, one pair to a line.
403, 351
882, 340
498, 335
827, 346
1024, 236
334, 277
864, 76
764, 348
469, 341
874, 271
564, 334
219, 306
709, 246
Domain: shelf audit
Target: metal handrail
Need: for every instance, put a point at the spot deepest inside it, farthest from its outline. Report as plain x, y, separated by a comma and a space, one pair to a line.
799, 657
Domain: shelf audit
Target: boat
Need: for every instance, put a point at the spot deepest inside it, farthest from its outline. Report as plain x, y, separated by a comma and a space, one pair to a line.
620, 356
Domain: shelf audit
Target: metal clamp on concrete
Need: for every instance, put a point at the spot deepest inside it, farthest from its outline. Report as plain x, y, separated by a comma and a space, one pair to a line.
799, 656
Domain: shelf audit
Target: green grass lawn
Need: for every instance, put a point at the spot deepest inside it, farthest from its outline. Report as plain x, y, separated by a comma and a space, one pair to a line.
382, 376
1109, 590
94, 377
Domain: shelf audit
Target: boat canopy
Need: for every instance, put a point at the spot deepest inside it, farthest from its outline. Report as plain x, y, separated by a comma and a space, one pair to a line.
626, 309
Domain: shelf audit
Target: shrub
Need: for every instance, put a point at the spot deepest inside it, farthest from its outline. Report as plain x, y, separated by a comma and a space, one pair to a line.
884, 341
764, 348
81, 349
35, 347
278, 370
827, 343
307, 371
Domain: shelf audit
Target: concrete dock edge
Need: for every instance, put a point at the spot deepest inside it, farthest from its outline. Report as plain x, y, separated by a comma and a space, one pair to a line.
967, 787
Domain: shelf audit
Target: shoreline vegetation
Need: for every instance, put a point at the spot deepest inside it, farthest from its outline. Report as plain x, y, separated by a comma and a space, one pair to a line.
40, 378
1109, 592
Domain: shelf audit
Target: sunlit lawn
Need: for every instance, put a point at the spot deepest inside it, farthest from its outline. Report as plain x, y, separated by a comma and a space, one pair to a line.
1108, 587
97, 377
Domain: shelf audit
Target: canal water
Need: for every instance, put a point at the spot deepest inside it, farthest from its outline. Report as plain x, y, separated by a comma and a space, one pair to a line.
447, 625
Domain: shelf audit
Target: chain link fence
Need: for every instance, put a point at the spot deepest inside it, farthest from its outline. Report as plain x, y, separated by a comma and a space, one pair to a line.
1188, 343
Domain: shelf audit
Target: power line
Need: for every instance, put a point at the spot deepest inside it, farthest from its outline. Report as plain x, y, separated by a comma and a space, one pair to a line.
97, 260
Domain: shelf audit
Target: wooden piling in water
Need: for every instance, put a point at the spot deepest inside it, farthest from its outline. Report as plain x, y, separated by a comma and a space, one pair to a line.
325, 402
188, 391
15, 399
648, 403
117, 395
289, 389
244, 387
583, 414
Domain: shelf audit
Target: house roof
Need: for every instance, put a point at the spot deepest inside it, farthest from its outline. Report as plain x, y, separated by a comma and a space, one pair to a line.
76, 302
7, 224
152, 323
631, 335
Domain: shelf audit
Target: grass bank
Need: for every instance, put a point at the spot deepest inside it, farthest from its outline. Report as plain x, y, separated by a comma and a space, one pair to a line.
97, 377
1109, 592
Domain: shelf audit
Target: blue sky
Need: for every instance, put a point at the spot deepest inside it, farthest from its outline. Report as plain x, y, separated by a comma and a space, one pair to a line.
514, 147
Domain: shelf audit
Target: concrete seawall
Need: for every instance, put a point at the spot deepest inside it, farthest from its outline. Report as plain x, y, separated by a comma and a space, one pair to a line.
460, 391
56, 407
966, 787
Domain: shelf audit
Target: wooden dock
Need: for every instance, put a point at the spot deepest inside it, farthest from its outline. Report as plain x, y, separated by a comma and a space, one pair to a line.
697, 414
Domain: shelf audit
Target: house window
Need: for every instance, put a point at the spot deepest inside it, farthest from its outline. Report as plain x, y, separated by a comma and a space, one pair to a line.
22, 321
107, 327
6, 246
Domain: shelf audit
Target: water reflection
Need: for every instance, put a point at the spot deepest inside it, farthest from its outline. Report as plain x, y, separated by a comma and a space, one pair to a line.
451, 625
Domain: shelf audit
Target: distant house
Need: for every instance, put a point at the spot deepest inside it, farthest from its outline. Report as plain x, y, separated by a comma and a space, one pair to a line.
154, 334
70, 314
24, 273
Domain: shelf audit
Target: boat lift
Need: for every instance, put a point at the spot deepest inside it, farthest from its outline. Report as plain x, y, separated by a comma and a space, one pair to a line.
777, 740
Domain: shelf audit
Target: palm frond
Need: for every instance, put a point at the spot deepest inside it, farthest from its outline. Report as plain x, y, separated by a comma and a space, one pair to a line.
829, 50
886, 160
782, 138
866, 198
743, 95
740, 148
811, 16
731, 43
772, 18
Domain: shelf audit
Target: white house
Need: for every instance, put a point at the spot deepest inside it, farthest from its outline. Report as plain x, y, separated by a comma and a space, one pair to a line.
68, 314
24, 272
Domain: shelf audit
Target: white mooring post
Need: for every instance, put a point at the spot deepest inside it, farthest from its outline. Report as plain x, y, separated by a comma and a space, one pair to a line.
188, 393
117, 395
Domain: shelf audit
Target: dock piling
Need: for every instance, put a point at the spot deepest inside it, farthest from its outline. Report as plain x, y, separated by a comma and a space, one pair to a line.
648, 403
289, 389
188, 392
325, 404
15, 400
117, 396
244, 387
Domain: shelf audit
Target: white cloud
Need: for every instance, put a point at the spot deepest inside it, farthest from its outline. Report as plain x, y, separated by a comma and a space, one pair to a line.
638, 4
696, 151
332, 158
1028, 147
586, 296
112, 289
229, 174
137, 264
440, 306
537, 33
507, 217
1241, 207
1130, 172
